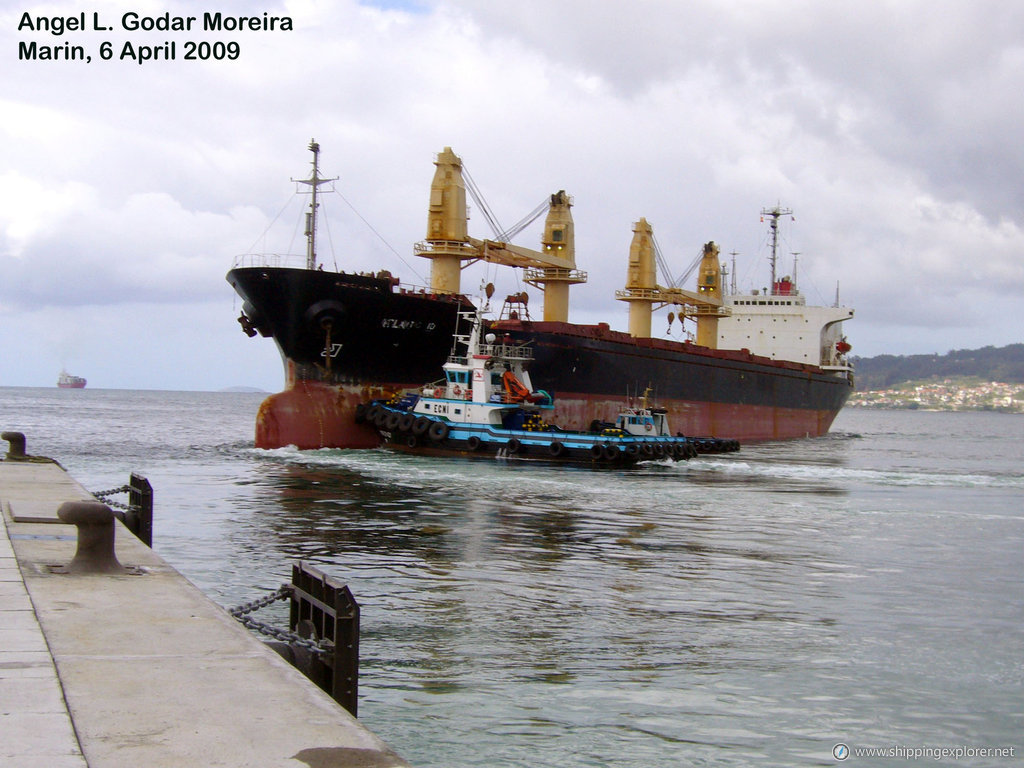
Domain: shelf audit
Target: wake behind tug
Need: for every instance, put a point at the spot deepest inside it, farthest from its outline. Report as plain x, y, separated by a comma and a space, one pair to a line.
486, 406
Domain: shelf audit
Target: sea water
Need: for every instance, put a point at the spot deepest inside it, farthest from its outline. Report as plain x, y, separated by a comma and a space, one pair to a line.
863, 588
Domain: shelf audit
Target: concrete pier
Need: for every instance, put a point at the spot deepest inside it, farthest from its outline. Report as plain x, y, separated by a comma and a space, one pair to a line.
138, 668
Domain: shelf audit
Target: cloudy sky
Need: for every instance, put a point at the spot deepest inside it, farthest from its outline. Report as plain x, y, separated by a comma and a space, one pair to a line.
892, 129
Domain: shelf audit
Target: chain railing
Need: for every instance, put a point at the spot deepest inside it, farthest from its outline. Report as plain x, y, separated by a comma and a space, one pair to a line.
284, 592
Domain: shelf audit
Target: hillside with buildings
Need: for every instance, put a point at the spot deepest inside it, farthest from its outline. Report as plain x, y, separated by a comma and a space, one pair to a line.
1004, 364
989, 378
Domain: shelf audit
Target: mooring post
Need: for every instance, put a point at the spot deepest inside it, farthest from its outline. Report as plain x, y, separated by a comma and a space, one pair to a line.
95, 523
16, 450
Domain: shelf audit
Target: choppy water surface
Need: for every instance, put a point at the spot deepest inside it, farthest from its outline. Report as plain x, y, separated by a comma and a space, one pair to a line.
863, 588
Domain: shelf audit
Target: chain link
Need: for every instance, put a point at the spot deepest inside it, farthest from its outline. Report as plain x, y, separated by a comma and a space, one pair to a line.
111, 502
284, 592
122, 489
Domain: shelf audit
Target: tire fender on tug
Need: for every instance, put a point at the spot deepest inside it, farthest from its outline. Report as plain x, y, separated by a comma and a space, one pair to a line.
438, 431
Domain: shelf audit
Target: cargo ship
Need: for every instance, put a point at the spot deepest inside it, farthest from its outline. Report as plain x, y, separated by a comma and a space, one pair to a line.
66, 381
763, 365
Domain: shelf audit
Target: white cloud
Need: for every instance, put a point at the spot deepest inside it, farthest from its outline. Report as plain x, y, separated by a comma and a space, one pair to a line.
891, 129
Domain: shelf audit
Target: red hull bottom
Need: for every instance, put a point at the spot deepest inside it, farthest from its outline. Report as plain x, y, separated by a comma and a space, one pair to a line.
312, 415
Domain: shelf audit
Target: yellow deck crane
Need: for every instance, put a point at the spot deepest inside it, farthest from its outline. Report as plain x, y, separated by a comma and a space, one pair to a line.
645, 295
449, 246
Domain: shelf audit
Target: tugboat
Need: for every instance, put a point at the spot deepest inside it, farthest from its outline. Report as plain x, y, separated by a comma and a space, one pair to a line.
486, 405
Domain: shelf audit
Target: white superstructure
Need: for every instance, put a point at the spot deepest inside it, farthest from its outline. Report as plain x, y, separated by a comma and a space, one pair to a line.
779, 325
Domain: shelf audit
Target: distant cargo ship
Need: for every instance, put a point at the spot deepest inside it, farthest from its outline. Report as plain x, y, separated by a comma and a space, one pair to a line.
67, 381
764, 365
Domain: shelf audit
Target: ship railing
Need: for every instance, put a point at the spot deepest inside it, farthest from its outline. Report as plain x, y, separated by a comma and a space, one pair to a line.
270, 260
519, 352
445, 247
704, 310
838, 368
553, 274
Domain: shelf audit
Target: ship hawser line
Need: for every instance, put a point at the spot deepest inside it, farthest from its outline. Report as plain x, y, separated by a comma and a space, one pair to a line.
764, 366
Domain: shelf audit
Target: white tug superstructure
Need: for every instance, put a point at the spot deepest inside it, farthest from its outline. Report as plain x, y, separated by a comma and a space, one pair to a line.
483, 385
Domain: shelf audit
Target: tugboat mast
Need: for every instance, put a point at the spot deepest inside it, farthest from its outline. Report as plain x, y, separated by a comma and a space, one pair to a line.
314, 183
774, 213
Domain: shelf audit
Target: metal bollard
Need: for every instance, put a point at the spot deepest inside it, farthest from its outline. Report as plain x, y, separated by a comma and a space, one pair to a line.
16, 451
95, 523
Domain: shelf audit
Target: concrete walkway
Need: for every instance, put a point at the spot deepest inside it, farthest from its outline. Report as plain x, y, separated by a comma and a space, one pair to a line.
141, 669
35, 728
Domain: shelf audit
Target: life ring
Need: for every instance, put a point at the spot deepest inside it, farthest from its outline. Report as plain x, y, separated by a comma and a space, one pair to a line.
513, 445
457, 391
556, 449
648, 426
420, 425
438, 431
473, 443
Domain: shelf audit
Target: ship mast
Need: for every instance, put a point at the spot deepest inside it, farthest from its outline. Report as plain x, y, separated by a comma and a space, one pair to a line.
774, 213
314, 182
